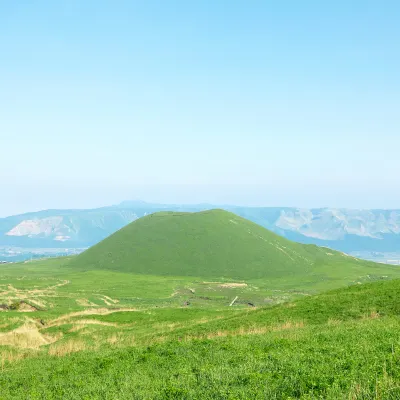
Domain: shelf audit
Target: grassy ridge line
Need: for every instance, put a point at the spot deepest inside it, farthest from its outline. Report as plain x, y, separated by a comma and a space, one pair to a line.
212, 243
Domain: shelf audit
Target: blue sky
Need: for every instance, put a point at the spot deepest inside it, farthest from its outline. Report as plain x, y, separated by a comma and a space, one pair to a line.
275, 103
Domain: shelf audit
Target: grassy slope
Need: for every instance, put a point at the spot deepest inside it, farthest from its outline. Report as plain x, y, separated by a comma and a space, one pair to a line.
338, 345
213, 243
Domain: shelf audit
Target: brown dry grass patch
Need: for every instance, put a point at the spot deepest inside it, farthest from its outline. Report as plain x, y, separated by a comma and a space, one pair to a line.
9, 357
371, 315
114, 301
68, 347
254, 330
121, 340
85, 303
113, 339
232, 285
91, 311
27, 336
86, 322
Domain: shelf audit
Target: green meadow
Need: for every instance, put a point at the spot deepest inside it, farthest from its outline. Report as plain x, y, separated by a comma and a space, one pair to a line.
200, 306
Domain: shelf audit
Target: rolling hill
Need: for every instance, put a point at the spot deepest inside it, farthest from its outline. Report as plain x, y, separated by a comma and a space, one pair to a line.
370, 234
213, 243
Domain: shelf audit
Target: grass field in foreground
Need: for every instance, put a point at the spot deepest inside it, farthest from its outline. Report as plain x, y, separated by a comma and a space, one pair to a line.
103, 334
342, 344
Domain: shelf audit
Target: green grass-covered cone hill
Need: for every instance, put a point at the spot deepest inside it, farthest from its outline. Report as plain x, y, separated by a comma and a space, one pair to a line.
212, 243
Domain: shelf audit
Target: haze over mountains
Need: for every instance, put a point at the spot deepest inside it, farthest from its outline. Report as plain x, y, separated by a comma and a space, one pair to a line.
341, 229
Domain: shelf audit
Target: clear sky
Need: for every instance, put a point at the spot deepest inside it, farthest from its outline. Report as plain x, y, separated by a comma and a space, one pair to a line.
275, 103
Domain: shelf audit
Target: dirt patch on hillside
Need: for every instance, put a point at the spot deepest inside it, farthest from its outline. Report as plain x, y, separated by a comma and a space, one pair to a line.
232, 285
10, 294
114, 301
85, 303
25, 307
19, 306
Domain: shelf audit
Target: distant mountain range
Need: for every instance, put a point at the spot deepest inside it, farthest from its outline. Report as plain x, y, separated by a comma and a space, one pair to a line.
346, 230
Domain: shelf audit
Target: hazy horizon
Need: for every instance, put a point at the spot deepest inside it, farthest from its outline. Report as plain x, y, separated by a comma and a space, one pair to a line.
246, 195
269, 103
